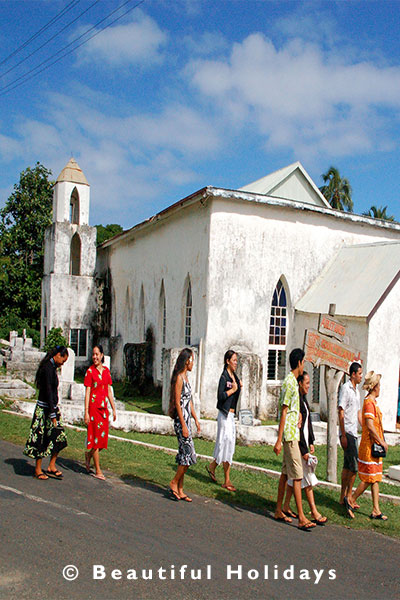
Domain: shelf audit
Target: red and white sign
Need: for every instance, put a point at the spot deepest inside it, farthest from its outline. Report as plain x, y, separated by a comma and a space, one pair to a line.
322, 350
330, 326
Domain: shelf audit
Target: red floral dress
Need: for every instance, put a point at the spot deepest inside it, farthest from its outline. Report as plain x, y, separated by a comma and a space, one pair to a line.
97, 431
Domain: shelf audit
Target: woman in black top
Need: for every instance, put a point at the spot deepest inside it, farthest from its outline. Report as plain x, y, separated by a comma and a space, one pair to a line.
306, 445
47, 436
228, 395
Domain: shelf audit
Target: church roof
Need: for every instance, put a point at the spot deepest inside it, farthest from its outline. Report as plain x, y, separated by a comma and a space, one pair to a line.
72, 173
291, 183
357, 280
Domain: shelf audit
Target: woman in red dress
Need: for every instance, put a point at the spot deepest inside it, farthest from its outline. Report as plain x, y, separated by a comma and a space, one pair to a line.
98, 388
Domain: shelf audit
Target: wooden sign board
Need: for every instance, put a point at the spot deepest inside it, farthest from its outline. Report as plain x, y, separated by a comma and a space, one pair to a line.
330, 326
322, 350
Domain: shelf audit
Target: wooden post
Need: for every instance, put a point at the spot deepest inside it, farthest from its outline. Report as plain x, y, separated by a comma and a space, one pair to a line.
333, 377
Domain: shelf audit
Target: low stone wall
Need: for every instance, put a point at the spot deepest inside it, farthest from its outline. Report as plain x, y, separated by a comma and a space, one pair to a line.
161, 424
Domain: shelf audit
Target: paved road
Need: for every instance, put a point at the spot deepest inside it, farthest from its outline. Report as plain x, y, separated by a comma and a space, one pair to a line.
127, 526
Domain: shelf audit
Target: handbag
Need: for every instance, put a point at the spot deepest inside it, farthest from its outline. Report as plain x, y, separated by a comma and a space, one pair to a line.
378, 451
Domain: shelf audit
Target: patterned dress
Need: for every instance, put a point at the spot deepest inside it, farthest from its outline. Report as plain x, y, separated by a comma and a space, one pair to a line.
97, 431
369, 468
186, 452
44, 438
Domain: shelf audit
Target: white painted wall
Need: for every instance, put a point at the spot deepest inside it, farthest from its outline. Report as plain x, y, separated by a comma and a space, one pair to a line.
251, 246
384, 354
167, 251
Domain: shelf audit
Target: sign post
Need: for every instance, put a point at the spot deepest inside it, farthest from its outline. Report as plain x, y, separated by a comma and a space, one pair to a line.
329, 350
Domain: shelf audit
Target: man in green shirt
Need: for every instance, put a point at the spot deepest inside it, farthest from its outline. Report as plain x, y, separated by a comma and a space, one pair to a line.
288, 437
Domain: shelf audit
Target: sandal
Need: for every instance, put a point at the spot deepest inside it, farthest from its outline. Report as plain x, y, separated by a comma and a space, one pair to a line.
290, 513
380, 517
306, 527
284, 519
41, 476
99, 476
186, 498
348, 508
174, 495
55, 474
230, 488
321, 521
211, 474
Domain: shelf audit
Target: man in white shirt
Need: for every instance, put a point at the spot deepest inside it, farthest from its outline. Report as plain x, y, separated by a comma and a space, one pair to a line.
349, 418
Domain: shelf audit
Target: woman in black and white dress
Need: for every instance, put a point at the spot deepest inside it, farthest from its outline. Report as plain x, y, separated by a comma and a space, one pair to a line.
227, 398
181, 409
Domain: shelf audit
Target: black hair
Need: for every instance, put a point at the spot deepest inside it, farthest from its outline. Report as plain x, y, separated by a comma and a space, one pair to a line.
354, 368
179, 367
100, 347
295, 357
228, 355
300, 378
62, 350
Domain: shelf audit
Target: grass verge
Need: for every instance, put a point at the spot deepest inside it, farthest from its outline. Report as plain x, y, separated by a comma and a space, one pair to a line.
255, 491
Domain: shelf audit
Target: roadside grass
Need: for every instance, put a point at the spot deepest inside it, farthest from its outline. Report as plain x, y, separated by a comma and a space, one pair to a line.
255, 491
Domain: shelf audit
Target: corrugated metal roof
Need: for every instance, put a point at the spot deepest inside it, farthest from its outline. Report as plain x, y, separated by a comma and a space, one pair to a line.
72, 173
356, 280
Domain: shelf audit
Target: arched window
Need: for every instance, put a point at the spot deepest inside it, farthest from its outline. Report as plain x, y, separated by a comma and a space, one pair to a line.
163, 315
277, 334
188, 315
74, 207
75, 256
162, 320
142, 317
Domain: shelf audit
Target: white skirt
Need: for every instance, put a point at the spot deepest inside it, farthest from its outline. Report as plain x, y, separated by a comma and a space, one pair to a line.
226, 438
309, 476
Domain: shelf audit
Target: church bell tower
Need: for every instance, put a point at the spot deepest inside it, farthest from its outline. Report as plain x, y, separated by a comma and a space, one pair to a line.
68, 286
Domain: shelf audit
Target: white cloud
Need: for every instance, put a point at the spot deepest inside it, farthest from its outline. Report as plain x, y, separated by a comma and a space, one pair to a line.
301, 97
130, 161
137, 42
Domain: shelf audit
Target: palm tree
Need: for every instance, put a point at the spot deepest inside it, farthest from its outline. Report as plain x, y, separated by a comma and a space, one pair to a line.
337, 190
378, 213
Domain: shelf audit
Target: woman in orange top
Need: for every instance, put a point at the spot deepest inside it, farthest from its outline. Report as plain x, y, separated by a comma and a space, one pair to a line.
369, 467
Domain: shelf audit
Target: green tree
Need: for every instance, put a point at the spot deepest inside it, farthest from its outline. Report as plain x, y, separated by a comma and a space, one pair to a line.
106, 232
54, 338
378, 213
337, 190
23, 221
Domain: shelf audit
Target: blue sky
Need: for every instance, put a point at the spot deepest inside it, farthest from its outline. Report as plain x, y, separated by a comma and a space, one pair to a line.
180, 94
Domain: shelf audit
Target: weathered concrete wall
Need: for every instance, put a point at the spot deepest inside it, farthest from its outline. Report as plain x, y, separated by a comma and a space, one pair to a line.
384, 354
251, 246
172, 250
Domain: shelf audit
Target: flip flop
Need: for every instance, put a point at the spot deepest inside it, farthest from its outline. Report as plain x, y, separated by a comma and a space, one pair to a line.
174, 495
230, 488
211, 474
40, 476
100, 476
284, 519
186, 498
380, 517
55, 474
290, 513
320, 521
304, 527
348, 508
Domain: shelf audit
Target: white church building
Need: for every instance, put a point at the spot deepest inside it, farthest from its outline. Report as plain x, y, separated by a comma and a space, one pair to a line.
248, 269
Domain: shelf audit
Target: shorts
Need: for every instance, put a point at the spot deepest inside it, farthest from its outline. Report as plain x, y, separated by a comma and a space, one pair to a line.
291, 464
351, 454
